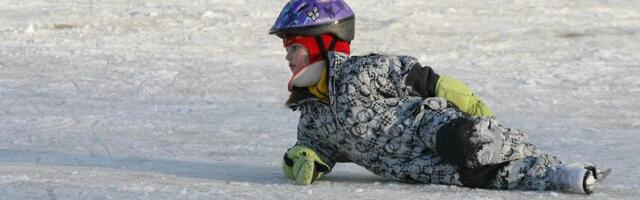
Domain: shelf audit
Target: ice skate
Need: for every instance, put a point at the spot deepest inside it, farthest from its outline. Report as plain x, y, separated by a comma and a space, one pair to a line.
579, 178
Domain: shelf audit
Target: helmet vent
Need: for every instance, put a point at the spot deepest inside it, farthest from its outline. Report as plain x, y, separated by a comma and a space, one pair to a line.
301, 7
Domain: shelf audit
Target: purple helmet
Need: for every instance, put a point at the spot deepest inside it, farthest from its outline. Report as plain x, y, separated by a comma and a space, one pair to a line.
315, 17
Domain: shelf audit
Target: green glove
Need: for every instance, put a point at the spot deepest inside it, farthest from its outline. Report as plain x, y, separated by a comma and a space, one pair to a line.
460, 94
303, 164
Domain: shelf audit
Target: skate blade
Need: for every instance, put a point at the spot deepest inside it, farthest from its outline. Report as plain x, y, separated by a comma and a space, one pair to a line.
602, 175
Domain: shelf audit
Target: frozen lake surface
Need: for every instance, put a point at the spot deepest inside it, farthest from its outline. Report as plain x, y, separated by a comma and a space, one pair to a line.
172, 99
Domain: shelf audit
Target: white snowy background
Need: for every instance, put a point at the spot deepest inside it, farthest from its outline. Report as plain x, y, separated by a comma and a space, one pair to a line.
174, 99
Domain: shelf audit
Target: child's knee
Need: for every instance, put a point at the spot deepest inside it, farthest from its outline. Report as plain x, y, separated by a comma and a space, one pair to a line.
453, 141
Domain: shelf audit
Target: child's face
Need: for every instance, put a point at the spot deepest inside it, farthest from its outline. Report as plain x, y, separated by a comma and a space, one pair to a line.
297, 56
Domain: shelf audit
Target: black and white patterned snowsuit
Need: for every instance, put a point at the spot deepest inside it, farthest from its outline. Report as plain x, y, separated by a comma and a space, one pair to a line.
378, 122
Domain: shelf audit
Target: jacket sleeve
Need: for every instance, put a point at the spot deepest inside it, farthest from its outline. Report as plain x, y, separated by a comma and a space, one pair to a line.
306, 150
313, 129
427, 84
423, 80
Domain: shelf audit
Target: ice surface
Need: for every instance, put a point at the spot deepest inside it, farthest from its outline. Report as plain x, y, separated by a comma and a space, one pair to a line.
171, 99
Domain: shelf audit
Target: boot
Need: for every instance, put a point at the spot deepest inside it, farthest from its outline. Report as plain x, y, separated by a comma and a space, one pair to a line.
578, 178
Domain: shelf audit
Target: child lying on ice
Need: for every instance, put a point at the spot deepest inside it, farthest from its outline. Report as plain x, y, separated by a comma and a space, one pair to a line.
399, 119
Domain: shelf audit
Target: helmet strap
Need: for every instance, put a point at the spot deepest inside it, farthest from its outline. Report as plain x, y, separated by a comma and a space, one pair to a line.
325, 51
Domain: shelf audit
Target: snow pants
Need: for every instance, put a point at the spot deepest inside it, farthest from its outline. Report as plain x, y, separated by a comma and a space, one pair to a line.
487, 154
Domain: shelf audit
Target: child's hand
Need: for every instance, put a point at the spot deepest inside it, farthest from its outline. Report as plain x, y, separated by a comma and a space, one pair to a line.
303, 164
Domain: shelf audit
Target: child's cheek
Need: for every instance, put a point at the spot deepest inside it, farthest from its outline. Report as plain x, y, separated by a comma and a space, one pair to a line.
300, 59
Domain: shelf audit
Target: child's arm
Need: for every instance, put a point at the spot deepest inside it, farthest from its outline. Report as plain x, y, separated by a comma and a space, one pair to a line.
304, 165
310, 157
456, 91
429, 84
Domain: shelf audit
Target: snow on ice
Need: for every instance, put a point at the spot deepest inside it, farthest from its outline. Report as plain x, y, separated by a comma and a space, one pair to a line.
132, 99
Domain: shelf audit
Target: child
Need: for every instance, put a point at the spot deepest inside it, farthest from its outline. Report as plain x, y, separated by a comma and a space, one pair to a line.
399, 119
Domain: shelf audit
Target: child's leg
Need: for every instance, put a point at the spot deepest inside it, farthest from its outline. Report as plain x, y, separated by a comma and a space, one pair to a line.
545, 172
481, 141
529, 173
428, 168
481, 147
